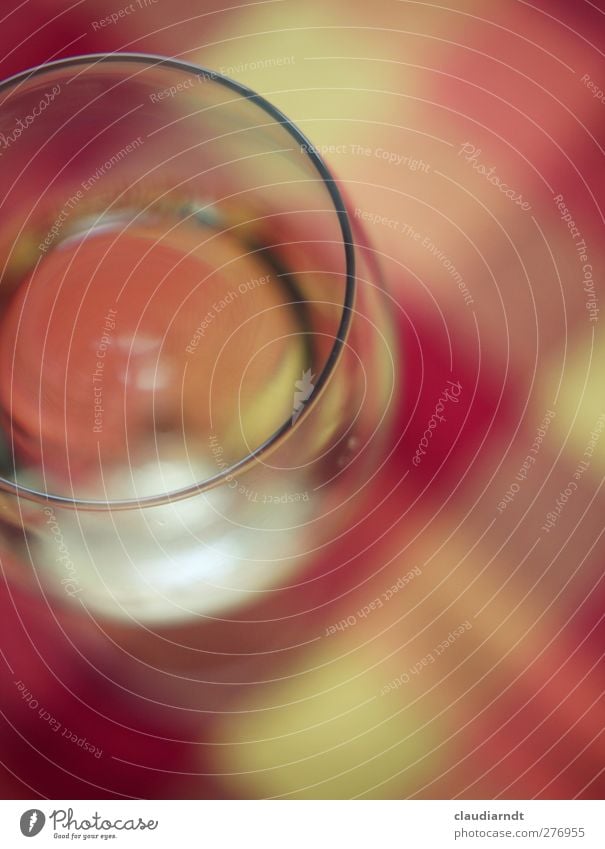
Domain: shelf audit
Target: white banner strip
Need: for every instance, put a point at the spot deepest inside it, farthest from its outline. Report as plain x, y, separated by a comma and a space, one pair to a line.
305, 824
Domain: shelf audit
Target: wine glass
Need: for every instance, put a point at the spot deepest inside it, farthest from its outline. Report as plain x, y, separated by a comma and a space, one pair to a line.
197, 354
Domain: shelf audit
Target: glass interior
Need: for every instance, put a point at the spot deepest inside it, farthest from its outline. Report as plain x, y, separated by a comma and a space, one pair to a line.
174, 281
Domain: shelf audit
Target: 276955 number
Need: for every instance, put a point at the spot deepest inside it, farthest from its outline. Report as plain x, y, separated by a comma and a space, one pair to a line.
562, 832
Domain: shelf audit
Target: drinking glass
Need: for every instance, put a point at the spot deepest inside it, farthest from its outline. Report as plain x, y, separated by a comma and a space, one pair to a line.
197, 355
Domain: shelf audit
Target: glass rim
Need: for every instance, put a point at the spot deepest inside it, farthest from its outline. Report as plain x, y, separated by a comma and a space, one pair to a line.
278, 436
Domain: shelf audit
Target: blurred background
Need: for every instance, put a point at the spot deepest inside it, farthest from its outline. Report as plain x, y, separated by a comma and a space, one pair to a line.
451, 645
